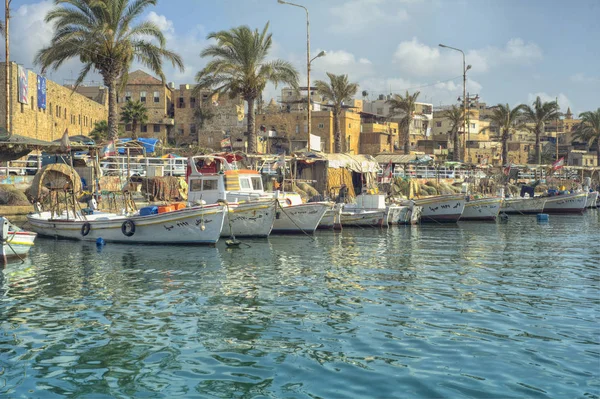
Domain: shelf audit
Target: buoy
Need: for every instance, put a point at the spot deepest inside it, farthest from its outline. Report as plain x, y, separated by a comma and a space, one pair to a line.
100, 241
233, 243
543, 217
503, 217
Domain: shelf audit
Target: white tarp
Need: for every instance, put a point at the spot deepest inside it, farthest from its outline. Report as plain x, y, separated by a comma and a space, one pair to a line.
315, 143
355, 163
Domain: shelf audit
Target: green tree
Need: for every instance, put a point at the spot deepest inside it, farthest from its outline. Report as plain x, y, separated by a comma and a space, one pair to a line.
456, 118
239, 66
539, 114
102, 35
100, 131
405, 107
134, 113
588, 130
507, 120
337, 91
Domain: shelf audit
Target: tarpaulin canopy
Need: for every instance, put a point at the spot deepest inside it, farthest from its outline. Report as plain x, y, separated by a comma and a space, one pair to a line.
149, 145
171, 156
355, 163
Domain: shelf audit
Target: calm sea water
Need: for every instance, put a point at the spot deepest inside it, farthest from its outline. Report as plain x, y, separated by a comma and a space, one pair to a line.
507, 310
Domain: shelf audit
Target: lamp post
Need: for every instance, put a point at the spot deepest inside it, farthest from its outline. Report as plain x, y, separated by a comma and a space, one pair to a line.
7, 65
308, 61
465, 69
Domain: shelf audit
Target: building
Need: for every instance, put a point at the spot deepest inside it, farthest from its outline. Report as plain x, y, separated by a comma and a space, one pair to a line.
158, 100
582, 158
46, 115
377, 135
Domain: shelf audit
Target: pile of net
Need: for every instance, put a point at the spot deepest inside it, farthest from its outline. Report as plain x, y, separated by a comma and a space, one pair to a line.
10, 196
54, 177
167, 188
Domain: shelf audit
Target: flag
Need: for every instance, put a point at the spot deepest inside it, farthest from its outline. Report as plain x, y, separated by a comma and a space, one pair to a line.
226, 143
507, 170
109, 150
65, 144
558, 164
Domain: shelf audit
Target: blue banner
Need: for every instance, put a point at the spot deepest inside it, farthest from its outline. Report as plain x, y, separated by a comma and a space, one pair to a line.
41, 92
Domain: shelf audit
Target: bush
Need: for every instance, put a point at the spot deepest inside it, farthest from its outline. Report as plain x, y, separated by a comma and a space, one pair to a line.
10, 196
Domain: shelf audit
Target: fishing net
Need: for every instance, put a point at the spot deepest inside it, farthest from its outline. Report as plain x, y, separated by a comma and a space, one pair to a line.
54, 177
336, 177
167, 188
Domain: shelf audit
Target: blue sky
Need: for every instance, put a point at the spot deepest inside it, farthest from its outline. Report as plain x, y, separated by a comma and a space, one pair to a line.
517, 49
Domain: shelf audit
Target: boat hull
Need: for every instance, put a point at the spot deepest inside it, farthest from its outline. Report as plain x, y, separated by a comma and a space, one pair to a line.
566, 203
302, 218
17, 243
484, 209
250, 219
401, 214
363, 218
195, 225
331, 219
523, 206
592, 200
441, 209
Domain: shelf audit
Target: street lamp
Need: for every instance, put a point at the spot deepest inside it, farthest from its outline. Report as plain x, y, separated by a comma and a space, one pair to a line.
465, 69
308, 61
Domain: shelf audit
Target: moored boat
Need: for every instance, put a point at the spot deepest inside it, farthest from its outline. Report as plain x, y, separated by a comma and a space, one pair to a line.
15, 241
523, 206
481, 209
441, 208
566, 203
592, 199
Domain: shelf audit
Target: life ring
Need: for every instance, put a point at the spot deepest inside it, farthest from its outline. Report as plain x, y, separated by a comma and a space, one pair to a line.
128, 228
288, 201
85, 229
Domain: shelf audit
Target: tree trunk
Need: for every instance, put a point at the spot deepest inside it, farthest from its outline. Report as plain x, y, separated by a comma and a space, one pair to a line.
456, 147
504, 148
598, 150
113, 118
134, 129
538, 153
407, 138
337, 135
252, 144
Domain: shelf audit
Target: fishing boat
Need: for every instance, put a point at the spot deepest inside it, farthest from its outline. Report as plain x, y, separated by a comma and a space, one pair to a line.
332, 218
212, 178
481, 209
592, 199
403, 214
566, 203
15, 241
192, 225
523, 206
440, 208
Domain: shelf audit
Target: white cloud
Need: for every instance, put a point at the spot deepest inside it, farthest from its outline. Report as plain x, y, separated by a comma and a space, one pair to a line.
354, 16
583, 78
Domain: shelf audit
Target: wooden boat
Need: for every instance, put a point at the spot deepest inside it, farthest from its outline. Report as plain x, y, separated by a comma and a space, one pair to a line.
332, 218
16, 242
523, 206
193, 225
481, 209
212, 178
441, 208
403, 214
592, 199
566, 203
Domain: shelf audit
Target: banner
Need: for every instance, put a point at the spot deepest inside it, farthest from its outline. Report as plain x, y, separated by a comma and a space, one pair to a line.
226, 143
23, 84
41, 92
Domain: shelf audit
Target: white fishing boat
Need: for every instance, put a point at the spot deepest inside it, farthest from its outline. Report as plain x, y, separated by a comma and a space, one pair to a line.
15, 241
249, 219
403, 214
193, 225
481, 209
441, 208
332, 218
566, 203
212, 178
523, 206
592, 199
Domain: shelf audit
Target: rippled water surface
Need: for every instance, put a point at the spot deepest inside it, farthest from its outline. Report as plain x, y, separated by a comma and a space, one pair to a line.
484, 310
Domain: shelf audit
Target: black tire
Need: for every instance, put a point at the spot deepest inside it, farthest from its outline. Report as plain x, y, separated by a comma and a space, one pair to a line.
128, 228
85, 229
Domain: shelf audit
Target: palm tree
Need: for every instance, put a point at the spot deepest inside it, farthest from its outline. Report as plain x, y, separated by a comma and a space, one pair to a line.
456, 117
539, 114
405, 107
506, 120
589, 129
337, 91
239, 67
100, 131
134, 113
102, 36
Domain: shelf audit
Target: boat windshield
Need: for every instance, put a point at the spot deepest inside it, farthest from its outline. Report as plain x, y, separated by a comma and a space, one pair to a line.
257, 183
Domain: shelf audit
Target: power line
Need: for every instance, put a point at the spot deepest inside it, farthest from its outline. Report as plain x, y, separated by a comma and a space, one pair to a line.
421, 86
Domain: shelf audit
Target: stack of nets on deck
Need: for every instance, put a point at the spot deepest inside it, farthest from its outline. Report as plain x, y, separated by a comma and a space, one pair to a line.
167, 188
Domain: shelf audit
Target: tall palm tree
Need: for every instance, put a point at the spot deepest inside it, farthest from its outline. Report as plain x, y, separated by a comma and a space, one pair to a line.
134, 113
589, 129
539, 114
337, 91
506, 120
239, 66
101, 34
457, 119
405, 107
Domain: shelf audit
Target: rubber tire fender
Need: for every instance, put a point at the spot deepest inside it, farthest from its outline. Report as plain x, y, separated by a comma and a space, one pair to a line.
85, 229
128, 228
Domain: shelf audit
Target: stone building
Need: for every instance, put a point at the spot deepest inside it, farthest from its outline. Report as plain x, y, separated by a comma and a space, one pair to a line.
64, 109
377, 135
158, 99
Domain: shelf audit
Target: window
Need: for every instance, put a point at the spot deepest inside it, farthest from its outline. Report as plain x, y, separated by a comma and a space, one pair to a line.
209, 185
156, 97
193, 129
50, 108
156, 128
65, 113
257, 183
472, 126
379, 111
438, 124
192, 102
181, 103
245, 184
321, 125
22, 107
79, 119
143, 96
32, 103
127, 96
297, 128
128, 127
195, 185
349, 125
144, 129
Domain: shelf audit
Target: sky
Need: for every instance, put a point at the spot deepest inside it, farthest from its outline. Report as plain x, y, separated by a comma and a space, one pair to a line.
518, 49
